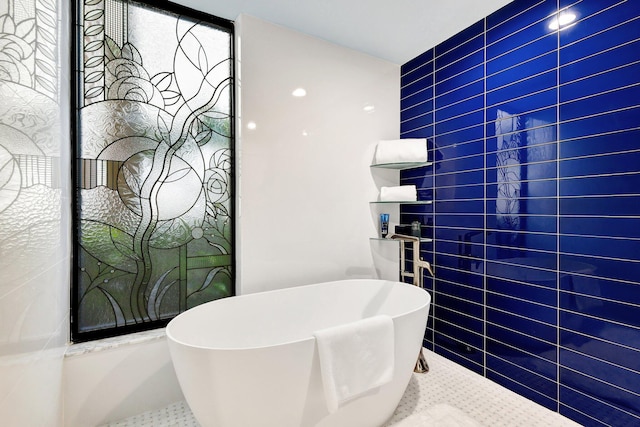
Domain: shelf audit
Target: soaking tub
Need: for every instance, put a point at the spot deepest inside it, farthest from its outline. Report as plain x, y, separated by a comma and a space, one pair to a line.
251, 360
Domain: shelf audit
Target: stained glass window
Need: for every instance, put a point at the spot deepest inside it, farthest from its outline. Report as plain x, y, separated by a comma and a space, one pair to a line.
153, 168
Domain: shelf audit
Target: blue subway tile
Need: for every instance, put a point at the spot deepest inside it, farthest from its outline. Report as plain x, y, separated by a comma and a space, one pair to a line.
423, 72
600, 124
529, 344
602, 103
460, 94
615, 312
462, 163
611, 38
464, 220
417, 86
628, 382
469, 338
457, 262
537, 83
458, 67
515, 15
460, 108
533, 223
457, 276
523, 390
600, 165
461, 51
522, 316
459, 206
462, 150
530, 377
522, 71
533, 104
418, 61
601, 246
416, 98
529, 292
592, 412
535, 49
601, 185
595, 17
460, 38
461, 122
426, 132
600, 226
518, 357
417, 110
598, 328
522, 241
605, 268
461, 320
524, 270
619, 56
605, 205
512, 208
462, 178
601, 349
521, 36
460, 353
472, 133
415, 123
461, 192
624, 77
466, 77
600, 144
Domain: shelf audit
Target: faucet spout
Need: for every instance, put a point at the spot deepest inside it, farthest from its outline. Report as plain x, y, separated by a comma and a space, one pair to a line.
418, 263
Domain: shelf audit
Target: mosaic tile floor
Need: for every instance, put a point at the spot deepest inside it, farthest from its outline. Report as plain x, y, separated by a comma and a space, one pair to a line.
471, 400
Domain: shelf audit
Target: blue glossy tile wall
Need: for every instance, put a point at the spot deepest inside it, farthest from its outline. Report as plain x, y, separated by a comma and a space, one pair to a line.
535, 135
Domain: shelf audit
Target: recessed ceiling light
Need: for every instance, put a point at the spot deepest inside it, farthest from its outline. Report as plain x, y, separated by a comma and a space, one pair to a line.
251, 125
299, 92
563, 19
369, 108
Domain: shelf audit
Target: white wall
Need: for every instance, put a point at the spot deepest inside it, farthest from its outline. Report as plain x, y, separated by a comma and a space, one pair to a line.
304, 208
34, 235
304, 216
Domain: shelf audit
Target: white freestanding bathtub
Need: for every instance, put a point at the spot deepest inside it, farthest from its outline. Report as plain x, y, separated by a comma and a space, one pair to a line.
251, 360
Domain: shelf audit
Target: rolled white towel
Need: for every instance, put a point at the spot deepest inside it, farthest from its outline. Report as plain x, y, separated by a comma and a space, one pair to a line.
402, 193
401, 151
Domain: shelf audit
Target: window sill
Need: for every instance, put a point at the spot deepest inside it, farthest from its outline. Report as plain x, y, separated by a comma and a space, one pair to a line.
114, 342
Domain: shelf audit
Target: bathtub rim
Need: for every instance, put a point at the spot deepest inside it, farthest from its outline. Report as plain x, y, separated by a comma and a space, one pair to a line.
172, 340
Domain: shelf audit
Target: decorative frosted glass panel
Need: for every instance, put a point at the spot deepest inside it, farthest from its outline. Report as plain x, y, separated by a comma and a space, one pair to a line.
153, 165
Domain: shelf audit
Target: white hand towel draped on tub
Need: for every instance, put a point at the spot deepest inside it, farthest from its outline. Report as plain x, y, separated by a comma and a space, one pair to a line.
355, 358
401, 193
401, 151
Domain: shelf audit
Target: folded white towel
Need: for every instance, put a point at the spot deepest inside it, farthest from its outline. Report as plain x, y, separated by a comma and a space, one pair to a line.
401, 151
402, 193
355, 358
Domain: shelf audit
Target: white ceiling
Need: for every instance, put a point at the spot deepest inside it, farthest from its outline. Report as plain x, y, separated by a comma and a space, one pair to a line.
394, 30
